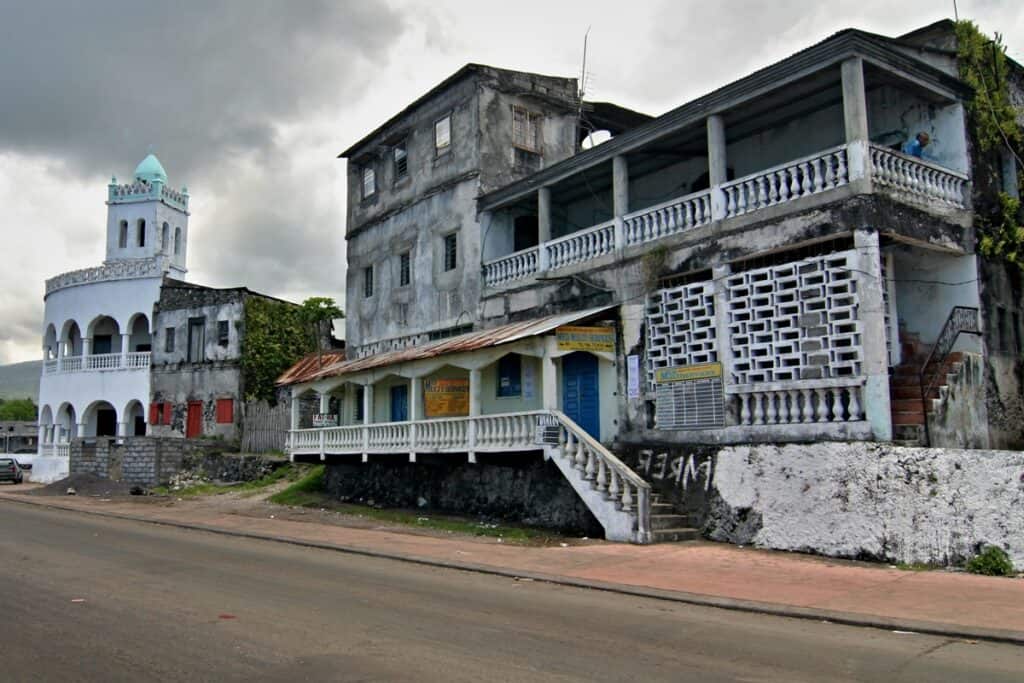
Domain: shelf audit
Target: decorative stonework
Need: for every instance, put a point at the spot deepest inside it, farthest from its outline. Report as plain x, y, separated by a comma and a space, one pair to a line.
113, 270
140, 190
681, 327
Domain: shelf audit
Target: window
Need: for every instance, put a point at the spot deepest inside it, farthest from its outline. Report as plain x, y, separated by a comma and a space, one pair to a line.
169, 340
359, 404
225, 411
154, 413
142, 232
401, 161
177, 241
525, 129
402, 314
368, 282
168, 412
451, 251
443, 135
122, 236
369, 182
222, 333
510, 376
165, 234
196, 340
404, 269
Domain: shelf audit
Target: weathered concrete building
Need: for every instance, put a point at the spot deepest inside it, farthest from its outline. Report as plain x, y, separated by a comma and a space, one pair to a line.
763, 264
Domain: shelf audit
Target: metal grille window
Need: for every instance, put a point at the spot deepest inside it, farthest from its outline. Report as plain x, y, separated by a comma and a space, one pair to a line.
443, 134
401, 161
222, 333
404, 269
696, 404
368, 282
169, 340
451, 251
525, 129
369, 182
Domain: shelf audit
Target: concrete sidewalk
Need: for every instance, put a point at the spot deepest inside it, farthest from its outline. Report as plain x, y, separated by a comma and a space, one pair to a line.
937, 602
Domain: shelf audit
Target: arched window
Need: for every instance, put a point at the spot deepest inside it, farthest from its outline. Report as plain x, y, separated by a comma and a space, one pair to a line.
164, 236
122, 236
177, 241
142, 232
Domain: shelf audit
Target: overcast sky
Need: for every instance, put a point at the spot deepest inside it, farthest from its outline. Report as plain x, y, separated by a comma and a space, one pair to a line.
248, 103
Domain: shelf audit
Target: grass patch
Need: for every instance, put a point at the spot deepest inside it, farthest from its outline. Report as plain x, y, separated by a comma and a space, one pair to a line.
916, 567
307, 491
284, 473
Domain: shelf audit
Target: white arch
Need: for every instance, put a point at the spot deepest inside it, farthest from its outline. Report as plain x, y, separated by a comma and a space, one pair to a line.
71, 338
66, 423
141, 238
134, 418
165, 236
122, 235
97, 424
50, 342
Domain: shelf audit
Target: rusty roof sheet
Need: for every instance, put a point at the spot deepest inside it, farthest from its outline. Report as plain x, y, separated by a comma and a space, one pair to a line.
471, 341
308, 366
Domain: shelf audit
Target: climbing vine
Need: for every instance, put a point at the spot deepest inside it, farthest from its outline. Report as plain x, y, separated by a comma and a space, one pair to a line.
276, 335
992, 120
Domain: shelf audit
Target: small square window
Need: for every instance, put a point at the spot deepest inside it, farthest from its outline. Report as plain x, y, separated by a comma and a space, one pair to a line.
222, 333
169, 340
196, 340
401, 161
225, 411
525, 129
369, 182
451, 251
404, 269
443, 135
510, 376
368, 282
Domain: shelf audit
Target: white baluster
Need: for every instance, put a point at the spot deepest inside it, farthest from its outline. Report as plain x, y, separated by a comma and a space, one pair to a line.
770, 408
627, 496
602, 476
580, 461
806, 185
830, 176
807, 412
762, 194
591, 469
744, 409
854, 404
822, 404
758, 418
730, 208
841, 176
837, 405
613, 486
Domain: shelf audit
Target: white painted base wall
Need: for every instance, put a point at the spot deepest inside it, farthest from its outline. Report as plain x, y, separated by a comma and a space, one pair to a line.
871, 500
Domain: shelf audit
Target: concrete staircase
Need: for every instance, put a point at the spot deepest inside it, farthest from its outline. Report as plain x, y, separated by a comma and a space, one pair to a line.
908, 410
667, 525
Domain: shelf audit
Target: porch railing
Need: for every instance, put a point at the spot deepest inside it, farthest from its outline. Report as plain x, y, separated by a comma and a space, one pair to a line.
510, 268
783, 183
580, 246
134, 360
800, 402
669, 218
917, 180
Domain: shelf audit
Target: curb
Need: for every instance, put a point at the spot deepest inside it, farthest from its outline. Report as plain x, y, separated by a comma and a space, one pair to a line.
733, 604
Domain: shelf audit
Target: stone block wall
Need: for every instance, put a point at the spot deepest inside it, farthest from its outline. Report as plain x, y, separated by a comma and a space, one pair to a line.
141, 460
520, 488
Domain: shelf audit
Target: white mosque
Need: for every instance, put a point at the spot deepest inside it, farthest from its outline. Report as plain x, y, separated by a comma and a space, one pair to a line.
98, 321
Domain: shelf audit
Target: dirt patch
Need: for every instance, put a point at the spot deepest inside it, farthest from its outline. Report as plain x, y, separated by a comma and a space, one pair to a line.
84, 485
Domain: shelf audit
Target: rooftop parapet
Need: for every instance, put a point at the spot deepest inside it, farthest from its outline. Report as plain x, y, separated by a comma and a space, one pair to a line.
112, 270
141, 190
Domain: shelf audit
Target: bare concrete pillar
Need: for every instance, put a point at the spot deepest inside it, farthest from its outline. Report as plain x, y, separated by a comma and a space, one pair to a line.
126, 345
475, 391
717, 164
416, 398
722, 342
325, 402
543, 214
620, 197
368, 404
855, 117
122, 429
549, 383
81, 430
875, 364
295, 412
86, 346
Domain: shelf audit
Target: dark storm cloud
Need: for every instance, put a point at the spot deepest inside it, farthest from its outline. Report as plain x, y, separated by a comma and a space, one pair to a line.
96, 82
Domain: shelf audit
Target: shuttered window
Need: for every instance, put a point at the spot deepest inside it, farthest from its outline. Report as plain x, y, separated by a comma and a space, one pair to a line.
225, 411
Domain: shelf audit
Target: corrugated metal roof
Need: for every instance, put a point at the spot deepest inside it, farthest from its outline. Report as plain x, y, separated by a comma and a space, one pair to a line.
310, 365
471, 341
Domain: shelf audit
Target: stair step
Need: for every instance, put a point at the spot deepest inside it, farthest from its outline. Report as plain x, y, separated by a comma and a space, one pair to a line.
905, 391
907, 405
678, 534
662, 508
907, 419
668, 521
907, 435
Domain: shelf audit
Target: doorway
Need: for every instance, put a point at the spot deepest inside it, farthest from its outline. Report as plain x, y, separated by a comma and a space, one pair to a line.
194, 419
106, 422
399, 403
580, 398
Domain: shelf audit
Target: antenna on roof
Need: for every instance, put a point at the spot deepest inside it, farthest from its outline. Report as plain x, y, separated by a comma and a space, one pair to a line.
583, 85
956, 16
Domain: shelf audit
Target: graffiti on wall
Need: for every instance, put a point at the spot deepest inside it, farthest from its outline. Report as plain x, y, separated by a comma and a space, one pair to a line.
686, 471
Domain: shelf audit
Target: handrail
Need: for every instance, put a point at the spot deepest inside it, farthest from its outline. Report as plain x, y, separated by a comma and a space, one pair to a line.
920, 161
961, 320
783, 166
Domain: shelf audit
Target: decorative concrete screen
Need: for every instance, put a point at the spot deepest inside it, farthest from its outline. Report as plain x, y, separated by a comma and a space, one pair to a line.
795, 321
681, 327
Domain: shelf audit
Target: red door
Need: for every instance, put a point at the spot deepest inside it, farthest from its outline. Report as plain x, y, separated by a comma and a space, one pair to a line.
194, 420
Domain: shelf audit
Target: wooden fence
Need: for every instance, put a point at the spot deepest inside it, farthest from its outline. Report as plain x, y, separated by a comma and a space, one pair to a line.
265, 427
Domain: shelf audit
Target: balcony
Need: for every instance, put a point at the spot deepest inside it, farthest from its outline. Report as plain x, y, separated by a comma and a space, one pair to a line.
134, 360
907, 179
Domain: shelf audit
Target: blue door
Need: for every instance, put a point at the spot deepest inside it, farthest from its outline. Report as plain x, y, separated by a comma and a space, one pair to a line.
399, 403
580, 399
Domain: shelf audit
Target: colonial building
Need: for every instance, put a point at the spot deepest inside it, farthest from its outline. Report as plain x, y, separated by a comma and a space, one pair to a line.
762, 264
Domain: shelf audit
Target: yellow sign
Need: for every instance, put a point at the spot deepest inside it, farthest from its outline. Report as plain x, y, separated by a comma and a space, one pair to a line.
586, 338
685, 373
446, 397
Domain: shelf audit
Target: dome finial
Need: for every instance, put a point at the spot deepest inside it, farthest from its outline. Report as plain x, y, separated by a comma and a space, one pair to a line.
150, 170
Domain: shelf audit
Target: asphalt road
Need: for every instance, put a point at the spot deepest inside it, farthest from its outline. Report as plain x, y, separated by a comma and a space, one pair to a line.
96, 599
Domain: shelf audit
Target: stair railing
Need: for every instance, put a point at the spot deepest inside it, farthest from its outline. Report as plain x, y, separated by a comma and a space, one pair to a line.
961, 320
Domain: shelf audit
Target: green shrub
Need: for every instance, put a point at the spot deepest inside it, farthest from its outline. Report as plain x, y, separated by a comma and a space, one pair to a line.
992, 561
305, 490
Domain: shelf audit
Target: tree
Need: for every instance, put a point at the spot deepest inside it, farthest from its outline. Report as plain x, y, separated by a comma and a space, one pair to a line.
21, 409
316, 311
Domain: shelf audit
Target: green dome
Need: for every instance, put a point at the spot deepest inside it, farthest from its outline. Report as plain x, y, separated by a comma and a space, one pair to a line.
150, 170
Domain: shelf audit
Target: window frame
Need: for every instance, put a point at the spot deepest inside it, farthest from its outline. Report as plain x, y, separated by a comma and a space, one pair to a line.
196, 341
532, 126
223, 333
439, 149
170, 339
368, 281
367, 172
400, 165
447, 265
225, 411
405, 269
501, 369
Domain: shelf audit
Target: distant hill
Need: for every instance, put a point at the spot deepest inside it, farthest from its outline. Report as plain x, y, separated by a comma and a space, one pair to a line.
21, 380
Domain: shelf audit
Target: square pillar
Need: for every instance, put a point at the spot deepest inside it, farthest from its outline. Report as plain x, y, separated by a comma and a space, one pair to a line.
723, 346
86, 348
549, 383
620, 198
125, 347
543, 227
875, 364
855, 117
325, 401
367, 403
717, 164
415, 411
80, 432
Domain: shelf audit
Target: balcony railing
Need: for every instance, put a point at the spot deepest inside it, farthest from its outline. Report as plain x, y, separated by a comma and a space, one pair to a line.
908, 178
800, 402
135, 360
129, 269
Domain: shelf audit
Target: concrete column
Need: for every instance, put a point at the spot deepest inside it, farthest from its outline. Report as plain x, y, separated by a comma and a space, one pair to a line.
125, 349
325, 401
548, 378
80, 432
86, 346
42, 438
122, 429
368, 404
295, 412
855, 117
620, 198
416, 398
722, 343
475, 390
872, 318
717, 164
543, 214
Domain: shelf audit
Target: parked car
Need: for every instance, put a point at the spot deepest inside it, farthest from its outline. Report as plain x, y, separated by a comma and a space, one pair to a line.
11, 471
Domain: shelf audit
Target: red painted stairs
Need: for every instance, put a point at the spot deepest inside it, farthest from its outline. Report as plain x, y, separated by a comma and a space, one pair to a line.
908, 409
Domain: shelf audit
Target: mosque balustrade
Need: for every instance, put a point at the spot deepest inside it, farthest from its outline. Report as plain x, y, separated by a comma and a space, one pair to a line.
99, 362
115, 270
